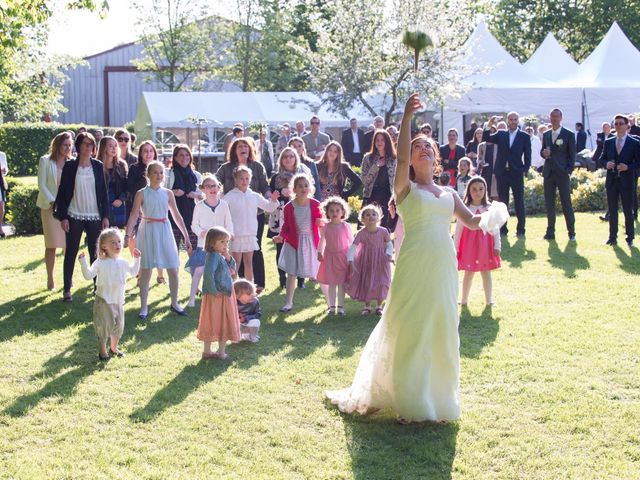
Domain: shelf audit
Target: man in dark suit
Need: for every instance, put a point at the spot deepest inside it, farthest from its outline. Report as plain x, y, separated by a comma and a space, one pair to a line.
559, 152
378, 123
451, 153
635, 131
512, 164
620, 156
581, 137
353, 143
468, 135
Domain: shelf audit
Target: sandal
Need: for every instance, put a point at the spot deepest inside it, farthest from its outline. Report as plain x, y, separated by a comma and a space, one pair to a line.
286, 308
161, 280
330, 310
67, 297
209, 356
116, 353
379, 311
340, 310
365, 311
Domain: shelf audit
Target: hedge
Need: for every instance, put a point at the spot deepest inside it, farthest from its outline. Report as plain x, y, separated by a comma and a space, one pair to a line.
25, 143
23, 213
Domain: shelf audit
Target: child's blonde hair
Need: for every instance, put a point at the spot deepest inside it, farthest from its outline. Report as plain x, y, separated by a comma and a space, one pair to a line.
240, 169
346, 211
466, 160
211, 178
104, 237
370, 207
154, 163
213, 235
242, 286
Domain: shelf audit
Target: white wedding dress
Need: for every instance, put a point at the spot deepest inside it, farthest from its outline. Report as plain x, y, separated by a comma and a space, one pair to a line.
411, 362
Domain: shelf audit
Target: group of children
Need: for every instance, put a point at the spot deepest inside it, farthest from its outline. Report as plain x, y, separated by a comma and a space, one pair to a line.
316, 243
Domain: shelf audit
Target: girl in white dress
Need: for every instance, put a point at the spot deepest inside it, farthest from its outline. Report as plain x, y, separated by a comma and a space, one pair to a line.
244, 204
210, 212
411, 361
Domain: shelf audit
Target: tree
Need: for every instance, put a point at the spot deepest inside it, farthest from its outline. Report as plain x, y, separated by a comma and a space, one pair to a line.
360, 59
265, 47
178, 41
579, 25
30, 81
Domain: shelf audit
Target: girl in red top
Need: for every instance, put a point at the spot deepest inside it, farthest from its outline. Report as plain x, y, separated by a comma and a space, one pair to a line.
300, 233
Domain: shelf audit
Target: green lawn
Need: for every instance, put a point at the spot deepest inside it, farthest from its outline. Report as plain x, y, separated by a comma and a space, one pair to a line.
550, 381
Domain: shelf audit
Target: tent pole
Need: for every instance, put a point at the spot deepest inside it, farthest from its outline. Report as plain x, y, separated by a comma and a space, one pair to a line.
585, 118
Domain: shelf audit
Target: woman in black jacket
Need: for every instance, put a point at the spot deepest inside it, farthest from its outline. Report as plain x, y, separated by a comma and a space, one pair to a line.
82, 204
115, 175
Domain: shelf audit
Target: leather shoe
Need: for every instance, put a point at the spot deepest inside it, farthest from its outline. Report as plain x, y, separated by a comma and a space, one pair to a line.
611, 242
604, 218
549, 236
67, 297
572, 238
103, 359
630, 242
182, 313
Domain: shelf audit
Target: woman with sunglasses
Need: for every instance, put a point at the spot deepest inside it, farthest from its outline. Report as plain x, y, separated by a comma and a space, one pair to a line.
123, 137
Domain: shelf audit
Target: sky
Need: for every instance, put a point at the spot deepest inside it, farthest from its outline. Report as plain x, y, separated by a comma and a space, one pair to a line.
82, 33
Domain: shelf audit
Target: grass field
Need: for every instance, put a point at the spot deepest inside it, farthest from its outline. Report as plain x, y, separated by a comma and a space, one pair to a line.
550, 381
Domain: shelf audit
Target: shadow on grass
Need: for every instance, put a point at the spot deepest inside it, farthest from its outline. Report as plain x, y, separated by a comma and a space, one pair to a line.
477, 332
74, 360
382, 448
517, 253
178, 389
629, 263
568, 260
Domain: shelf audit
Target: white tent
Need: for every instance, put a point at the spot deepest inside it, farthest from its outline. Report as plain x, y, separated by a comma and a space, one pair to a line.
163, 110
610, 77
551, 61
505, 87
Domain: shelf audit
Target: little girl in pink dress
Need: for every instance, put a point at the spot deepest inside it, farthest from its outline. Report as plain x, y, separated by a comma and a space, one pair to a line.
369, 259
335, 238
477, 251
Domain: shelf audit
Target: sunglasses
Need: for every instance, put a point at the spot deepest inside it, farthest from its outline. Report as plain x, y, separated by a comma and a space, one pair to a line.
123, 139
617, 124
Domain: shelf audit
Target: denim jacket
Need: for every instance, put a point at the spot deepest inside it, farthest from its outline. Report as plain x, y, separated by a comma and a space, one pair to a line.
217, 274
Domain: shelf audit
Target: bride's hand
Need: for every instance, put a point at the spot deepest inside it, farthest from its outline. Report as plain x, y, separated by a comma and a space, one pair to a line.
413, 104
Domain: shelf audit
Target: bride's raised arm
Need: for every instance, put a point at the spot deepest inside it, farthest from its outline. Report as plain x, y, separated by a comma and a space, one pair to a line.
401, 182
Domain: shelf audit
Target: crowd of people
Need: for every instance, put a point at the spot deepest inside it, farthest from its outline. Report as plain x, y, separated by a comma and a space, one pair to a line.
100, 188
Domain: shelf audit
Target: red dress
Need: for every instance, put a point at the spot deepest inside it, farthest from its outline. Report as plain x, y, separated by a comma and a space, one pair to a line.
475, 252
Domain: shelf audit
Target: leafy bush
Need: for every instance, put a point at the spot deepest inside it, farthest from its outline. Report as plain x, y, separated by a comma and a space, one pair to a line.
24, 214
25, 143
355, 204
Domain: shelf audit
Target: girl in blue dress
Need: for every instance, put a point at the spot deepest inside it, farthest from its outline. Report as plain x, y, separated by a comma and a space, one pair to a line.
155, 238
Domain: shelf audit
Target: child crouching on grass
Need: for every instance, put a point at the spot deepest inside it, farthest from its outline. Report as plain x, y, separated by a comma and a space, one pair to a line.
248, 309
111, 272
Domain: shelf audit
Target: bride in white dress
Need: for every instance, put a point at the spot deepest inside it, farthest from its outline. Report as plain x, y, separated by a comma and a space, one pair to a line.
411, 362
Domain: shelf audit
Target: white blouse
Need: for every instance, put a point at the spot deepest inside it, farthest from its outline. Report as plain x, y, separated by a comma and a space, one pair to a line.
244, 210
84, 204
112, 276
204, 218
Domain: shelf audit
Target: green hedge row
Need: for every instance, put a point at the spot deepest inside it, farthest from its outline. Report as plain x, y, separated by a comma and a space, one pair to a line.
22, 212
25, 143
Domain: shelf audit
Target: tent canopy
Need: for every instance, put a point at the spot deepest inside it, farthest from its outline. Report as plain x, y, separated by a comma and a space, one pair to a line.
484, 52
223, 109
614, 63
551, 61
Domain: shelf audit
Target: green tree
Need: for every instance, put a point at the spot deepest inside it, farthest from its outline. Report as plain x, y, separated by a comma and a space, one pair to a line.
265, 47
579, 25
361, 61
178, 40
30, 81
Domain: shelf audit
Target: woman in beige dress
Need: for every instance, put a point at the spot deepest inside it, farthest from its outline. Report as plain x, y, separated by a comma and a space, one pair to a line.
49, 172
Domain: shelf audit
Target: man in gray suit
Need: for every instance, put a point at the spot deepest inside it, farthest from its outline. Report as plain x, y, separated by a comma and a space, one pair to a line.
315, 141
559, 152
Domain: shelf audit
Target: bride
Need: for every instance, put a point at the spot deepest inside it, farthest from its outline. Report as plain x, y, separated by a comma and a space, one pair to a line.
411, 362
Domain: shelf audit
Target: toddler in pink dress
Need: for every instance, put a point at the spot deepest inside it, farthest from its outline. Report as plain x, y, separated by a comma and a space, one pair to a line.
477, 251
335, 238
369, 258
